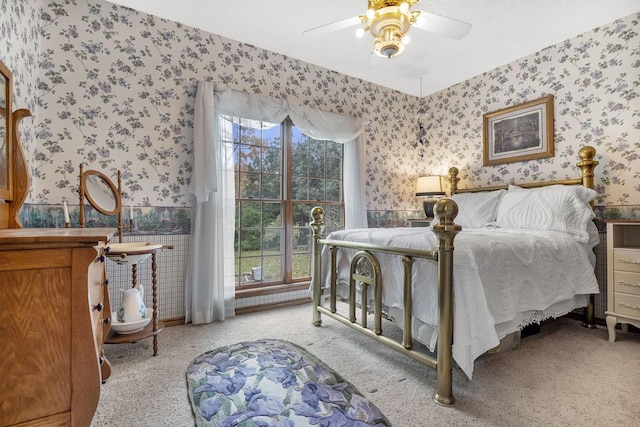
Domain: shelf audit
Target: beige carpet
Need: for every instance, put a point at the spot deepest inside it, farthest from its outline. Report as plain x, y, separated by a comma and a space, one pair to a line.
564, 376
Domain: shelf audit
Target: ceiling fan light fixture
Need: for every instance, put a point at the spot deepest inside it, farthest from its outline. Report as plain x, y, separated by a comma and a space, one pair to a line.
389, 21
389, 42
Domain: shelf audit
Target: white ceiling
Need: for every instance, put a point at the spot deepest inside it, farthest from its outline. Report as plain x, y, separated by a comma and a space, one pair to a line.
502, 31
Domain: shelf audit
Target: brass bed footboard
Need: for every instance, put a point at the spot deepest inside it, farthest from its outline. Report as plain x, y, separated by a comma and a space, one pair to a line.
446, 230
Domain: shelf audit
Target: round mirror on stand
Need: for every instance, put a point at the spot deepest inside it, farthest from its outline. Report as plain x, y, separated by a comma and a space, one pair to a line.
101, 194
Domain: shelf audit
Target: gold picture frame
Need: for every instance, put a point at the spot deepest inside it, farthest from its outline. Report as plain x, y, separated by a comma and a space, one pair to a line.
519, 133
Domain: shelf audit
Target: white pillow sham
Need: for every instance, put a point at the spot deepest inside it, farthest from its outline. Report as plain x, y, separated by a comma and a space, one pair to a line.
563, 208
476, 210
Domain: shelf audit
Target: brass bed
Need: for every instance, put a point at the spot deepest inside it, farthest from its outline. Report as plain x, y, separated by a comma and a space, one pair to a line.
445, 230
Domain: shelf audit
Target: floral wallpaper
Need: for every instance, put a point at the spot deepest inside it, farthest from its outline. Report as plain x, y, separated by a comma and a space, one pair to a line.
113, 89
118, 87
19, 50
595, 80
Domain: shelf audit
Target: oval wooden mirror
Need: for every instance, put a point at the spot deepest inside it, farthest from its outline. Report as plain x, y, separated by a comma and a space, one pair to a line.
101, 193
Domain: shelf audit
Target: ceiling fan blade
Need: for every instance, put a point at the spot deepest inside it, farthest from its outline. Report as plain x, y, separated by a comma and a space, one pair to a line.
439, 24
334, 26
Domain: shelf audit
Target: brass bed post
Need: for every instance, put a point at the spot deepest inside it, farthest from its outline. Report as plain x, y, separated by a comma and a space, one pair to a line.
317, 225
445, 230
587, 166
453, 180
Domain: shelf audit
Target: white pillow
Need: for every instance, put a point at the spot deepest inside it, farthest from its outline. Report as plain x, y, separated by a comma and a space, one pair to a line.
563, 208
476, 210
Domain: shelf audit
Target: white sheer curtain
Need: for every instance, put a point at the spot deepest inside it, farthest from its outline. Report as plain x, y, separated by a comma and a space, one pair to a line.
210, 276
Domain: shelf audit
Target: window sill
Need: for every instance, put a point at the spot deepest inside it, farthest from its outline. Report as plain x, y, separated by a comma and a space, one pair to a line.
271, 289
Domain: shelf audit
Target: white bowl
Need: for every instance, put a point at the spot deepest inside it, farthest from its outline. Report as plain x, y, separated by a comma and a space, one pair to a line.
128, 327
131, 252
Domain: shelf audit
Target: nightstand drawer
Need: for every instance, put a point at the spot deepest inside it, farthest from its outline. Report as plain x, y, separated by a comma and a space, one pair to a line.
626, 260
627, 305
627, 282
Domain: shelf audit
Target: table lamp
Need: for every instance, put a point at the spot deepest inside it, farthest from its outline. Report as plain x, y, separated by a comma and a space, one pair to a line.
431, 188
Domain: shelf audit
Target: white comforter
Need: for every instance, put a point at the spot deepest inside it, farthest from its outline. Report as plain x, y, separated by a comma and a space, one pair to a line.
503, 280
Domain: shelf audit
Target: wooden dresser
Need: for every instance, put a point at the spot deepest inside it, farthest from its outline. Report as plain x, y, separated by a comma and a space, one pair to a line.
623, 275
52, 301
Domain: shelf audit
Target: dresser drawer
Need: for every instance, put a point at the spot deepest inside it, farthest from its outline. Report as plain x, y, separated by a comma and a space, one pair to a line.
627, 305
626, 260
627, 282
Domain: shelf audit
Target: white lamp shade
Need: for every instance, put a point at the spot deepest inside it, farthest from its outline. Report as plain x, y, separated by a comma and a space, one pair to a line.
432, 185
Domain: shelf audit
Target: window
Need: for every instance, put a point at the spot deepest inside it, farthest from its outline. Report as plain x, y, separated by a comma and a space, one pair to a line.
280, 175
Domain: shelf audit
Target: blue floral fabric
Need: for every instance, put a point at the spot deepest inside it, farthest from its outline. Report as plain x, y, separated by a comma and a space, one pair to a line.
273, 383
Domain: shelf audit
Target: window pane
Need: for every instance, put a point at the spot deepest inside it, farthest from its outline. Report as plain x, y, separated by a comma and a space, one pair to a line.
334, 149
299, 189
271, 160
250, 241
237, 220
334, 168
247, 268
316, 189
299, 141
272, 215
272, 137
333, 218
236, 158
249, 185
272, 242
302, 214
251, 214
250, 159
250, 136
316, 166
272, 268
302, 239
299, 163
334, 191
301, 265
271, 186
317, 147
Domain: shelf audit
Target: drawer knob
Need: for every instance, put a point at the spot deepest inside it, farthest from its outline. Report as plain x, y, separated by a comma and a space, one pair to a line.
106, 282
100, 258
98, 307
101, 360
107, 320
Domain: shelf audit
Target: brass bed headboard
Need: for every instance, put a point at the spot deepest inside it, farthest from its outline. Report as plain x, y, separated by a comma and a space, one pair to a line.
587, 165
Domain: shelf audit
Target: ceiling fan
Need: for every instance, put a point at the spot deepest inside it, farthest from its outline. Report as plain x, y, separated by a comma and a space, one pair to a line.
389, 21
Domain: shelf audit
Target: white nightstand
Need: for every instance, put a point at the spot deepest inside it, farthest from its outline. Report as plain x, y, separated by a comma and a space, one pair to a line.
423, 222
623, 275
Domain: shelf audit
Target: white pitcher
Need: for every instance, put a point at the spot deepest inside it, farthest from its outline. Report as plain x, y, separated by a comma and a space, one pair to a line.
132, 308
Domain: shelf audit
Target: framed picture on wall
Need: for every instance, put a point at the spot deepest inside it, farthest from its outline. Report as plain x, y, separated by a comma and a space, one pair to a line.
519, 133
